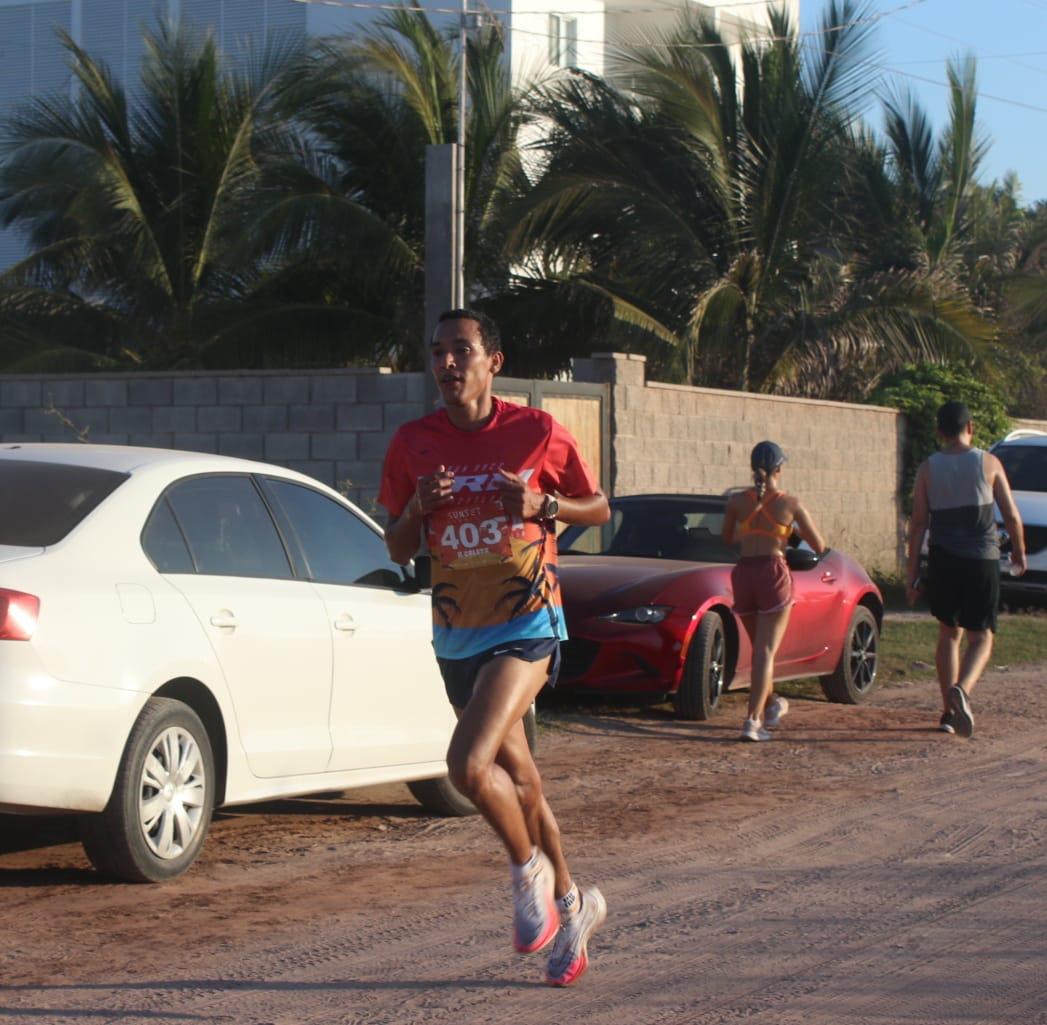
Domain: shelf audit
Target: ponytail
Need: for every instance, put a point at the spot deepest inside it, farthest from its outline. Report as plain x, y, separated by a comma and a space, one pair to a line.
760, 480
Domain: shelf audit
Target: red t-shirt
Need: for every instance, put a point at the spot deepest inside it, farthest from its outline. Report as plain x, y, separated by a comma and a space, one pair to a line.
494, 579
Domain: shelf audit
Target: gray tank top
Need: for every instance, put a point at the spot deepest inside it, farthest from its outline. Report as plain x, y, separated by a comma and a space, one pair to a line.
961, 505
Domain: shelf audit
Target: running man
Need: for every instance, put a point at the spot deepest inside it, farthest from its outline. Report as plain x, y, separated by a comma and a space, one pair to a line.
485, 481
953, 496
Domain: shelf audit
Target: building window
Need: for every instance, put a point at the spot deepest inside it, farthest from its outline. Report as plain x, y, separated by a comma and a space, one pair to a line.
563, 41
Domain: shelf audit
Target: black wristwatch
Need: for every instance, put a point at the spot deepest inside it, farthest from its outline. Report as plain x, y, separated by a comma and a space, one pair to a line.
550, 507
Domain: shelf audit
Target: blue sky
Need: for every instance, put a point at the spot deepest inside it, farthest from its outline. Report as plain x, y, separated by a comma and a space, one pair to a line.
1010, 39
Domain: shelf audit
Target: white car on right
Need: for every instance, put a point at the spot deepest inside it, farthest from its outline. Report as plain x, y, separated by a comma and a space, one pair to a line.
1024, 456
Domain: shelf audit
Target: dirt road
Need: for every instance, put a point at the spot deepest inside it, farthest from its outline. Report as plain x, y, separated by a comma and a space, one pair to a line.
861, 868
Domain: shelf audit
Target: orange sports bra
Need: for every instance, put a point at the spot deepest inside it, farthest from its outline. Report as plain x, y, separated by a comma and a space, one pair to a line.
778, 531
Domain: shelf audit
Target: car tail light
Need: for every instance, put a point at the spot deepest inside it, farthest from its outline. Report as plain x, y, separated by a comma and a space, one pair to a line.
19, 613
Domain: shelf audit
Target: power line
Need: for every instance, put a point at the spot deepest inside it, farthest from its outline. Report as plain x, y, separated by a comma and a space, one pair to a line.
981, 95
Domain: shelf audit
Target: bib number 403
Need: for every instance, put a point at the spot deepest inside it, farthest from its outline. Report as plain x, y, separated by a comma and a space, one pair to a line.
472, 535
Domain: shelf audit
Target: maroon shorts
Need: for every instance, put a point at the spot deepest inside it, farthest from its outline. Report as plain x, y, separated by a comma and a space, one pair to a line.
761, 584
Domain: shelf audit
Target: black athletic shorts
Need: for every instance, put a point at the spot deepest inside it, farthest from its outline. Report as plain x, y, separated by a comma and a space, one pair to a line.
963, 592
460, 673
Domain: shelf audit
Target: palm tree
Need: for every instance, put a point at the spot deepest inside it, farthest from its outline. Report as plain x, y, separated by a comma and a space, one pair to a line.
133, 202
371, 107
710, 207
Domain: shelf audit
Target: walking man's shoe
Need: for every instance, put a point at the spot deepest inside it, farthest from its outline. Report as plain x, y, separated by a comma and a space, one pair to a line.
945, 723
570, 956
962, 716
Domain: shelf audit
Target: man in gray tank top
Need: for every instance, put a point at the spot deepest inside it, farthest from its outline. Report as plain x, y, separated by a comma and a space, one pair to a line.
953, 497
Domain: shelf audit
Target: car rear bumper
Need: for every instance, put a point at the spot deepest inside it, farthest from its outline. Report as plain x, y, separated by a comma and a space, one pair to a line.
60, 743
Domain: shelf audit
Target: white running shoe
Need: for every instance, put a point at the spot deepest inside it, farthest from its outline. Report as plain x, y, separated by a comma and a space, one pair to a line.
753, 730
535, 917
962, 716
570, 956
777, 709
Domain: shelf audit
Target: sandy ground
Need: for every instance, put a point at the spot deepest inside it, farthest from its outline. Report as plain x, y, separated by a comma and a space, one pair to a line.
861, 868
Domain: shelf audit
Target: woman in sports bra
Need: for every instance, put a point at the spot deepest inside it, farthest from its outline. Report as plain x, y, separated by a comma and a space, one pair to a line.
761, 520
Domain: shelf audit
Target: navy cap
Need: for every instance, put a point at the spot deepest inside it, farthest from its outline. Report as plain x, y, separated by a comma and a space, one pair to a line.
766, 455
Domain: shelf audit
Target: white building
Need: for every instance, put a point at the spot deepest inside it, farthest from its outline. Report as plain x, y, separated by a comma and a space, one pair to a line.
541, 34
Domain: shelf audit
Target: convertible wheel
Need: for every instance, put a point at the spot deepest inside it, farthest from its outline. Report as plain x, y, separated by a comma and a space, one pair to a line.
441, 797
705, 673
160, 809
854, 677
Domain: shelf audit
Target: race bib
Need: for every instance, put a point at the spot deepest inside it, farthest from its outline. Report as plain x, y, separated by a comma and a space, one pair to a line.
474, 534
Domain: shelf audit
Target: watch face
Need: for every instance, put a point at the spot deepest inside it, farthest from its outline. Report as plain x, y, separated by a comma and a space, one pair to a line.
552, 507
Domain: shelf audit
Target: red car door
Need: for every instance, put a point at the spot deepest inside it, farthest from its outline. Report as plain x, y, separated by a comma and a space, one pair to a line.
817, 598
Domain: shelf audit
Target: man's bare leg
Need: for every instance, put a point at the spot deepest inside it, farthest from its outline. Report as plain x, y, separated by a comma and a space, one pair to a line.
975, 658
947, 659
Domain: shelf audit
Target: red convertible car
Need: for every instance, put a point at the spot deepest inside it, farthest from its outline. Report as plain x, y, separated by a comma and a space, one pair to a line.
648, 603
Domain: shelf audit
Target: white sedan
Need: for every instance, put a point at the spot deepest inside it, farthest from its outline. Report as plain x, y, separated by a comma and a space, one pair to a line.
180, 631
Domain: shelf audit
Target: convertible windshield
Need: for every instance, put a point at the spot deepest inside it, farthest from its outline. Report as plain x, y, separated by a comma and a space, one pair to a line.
655, 529
1025, 466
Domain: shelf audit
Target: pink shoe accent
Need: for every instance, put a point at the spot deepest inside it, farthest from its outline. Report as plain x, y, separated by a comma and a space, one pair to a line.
551, 929
576, 971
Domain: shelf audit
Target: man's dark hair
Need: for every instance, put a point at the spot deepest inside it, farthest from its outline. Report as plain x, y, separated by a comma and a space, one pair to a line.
953, 417
492, 340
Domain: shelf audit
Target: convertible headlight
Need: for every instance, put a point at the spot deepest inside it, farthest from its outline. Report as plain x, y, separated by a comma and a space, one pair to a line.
642, 614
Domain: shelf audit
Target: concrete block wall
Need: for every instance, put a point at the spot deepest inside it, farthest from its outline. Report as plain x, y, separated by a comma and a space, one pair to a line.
845, 461
334, 425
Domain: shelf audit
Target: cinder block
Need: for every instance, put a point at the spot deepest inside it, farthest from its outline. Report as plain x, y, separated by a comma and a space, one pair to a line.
20, 393
397, 413
153, 439
373, 445
281, 448
240, 391
174, 420
264, 419
415, 388
150, 391
359, 417
385, 388
63, 394
80, 419
109, 439
195, 391
243, 446
285, 389
315, 417
12, 421
362, 473
131, 419
340, 445
334, 388
318, 469
196, 442
105, 393
219, 418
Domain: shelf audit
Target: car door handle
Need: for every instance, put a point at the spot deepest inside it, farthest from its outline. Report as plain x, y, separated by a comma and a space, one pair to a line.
345, 623
225, 620
828, 577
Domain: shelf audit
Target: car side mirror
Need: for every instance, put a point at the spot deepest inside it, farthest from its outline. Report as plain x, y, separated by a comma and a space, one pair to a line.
799, 559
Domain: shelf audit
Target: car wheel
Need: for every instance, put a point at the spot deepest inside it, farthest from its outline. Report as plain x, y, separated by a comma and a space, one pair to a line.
854, 677
705, 672
441, 797
157, 817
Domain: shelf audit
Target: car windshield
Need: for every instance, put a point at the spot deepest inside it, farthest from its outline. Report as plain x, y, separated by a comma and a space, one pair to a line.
1025, 466
42, 502
656, 529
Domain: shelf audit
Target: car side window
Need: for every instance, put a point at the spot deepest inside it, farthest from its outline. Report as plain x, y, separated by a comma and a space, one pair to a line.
228, 527
163, 543
339, 548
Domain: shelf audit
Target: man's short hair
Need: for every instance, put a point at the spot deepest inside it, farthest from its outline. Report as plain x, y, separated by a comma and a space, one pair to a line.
953, 417
492, 340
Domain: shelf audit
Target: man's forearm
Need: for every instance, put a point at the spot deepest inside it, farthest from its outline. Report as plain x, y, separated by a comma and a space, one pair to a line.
590, 511
915, 546
1016, 533
403, 535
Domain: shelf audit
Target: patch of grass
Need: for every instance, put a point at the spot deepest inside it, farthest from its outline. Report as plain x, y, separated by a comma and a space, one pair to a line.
892, 587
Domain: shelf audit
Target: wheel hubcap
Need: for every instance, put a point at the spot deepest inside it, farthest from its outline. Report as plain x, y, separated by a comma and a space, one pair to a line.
172, 792
716, 669
863, 656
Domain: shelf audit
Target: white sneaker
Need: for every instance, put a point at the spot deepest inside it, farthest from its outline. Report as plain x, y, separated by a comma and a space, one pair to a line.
753, 730
535, 916
570, 956
776, 710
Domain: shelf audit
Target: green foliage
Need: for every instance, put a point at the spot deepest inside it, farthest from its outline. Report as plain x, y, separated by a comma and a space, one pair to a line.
919, 389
